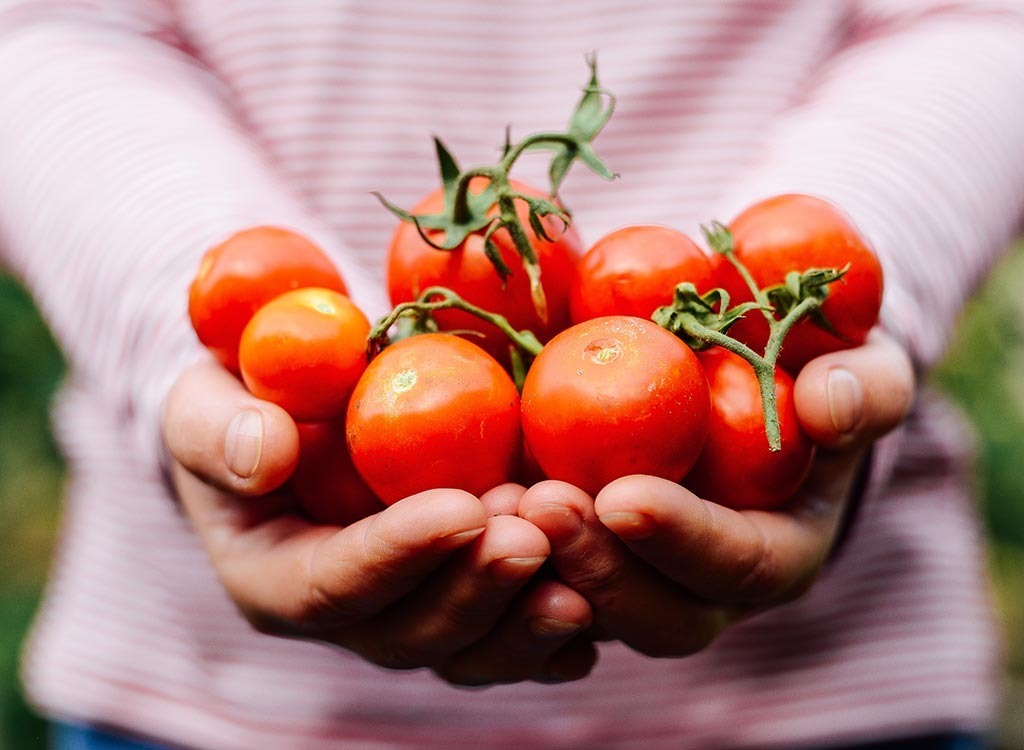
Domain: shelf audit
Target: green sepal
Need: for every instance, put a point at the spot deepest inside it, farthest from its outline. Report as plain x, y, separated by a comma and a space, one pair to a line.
710, 310
449, 170
592, 113
493, 252
799, 286
538, 209
718, 237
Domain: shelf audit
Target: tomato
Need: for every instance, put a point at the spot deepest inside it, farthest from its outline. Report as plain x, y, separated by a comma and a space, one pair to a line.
325, 481
795, 233
305, 350
244, 272
736, 468
614, 396
431, 411
413, 265
634, 270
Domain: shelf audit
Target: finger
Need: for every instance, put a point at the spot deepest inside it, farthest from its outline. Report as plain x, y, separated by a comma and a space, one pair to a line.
632, 601
503, 500
547, 616
287, 574
460, 604
218, 431
728, 556
851, 397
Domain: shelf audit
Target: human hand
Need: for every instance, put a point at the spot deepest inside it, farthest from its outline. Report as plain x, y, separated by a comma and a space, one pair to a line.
665, 571
440, 580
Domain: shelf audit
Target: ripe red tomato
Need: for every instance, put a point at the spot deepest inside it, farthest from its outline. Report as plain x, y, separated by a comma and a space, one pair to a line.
432, 411
795, 233
243, 273
305, 350
413, 266
736, 468
634, 270
614, 396
325, 482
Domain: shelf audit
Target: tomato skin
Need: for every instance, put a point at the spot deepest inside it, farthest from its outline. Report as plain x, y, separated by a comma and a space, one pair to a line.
434, 411
413, 266
634, 270
794, 233
305, 350
243, 273
736, 468
325, 481
614, 396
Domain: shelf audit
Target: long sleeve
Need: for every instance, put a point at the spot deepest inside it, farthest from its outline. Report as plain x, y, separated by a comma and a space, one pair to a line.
122, 161
915, 127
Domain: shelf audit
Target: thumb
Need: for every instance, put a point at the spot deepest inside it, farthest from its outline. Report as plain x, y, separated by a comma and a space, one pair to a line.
221, 433
849, 398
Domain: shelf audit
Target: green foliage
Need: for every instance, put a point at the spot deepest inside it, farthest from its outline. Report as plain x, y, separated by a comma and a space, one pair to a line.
983, 373
30, 481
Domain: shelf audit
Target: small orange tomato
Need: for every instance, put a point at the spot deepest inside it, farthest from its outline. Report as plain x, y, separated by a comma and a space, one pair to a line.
434, 411
305, 350
243, 273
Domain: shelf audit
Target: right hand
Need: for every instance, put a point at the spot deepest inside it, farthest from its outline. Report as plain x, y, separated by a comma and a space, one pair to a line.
441, 579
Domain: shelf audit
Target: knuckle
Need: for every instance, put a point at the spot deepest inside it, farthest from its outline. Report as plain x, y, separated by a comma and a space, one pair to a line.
601, 581
695, 635
758, 579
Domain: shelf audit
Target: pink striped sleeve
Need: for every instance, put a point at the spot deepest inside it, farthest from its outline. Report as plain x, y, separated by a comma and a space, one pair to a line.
121, 163
916, 128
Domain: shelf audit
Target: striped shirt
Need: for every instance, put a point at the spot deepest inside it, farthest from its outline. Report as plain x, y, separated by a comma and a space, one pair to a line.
136, 133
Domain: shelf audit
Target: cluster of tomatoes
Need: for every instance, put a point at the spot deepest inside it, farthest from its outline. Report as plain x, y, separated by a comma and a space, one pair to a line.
610, 392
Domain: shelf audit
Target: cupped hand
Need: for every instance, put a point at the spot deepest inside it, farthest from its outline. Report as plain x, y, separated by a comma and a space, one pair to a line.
441, 579
666, 571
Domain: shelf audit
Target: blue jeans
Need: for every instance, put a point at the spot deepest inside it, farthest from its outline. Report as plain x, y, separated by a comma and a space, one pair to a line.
75, 737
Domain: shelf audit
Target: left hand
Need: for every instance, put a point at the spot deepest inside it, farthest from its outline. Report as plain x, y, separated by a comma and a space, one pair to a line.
666, 571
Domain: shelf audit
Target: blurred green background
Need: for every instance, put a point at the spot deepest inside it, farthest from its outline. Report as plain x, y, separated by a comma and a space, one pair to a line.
982, 372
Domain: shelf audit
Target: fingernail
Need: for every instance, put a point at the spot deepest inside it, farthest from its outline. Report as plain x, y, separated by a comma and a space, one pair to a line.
243, 445
628, 525
513, 569
559, 523
460, 539
547, 627
845, 400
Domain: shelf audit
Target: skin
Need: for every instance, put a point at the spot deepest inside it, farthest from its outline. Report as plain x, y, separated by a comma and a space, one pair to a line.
422, 583
438, 580
666, 571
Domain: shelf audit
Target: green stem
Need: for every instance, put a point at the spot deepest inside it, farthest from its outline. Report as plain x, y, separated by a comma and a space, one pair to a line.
759, 296
441, 298
763, 369
780, 329
461, 212
531, 140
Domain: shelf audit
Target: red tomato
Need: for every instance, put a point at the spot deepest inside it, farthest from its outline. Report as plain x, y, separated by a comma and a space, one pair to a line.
736, 468
325, 482
434, 411
634, 270
796, 233
304, 351
243, 273
615, 396
413, 265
